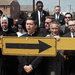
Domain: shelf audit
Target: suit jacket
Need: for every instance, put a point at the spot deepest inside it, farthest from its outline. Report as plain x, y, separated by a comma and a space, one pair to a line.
61, 19
67, 34
64, 29
35, 16
43, 32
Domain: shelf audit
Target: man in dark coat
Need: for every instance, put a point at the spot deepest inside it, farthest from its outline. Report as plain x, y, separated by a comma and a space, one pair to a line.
30, 65
69, 55
65, 28
39, 15
46, 30
53, 65
58, 16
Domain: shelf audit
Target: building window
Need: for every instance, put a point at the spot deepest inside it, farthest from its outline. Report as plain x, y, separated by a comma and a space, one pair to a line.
5, 7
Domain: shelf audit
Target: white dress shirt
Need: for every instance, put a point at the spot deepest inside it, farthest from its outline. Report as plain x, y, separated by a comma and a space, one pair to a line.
57, 16
72, 34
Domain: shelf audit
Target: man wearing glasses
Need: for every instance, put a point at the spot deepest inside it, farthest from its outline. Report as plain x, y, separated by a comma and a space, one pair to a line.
46, 30
69, 55
64, 28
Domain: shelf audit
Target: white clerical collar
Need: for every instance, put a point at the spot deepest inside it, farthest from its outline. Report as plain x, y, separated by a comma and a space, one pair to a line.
5, 30
31, 34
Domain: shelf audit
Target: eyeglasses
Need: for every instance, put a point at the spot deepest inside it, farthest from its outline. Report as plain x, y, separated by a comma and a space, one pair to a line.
47, 22
68, 17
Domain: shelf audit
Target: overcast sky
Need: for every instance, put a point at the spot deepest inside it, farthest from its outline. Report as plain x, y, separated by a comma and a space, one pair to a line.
66, 5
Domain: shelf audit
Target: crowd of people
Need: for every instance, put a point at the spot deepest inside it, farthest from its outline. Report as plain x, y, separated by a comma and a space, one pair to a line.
41, 24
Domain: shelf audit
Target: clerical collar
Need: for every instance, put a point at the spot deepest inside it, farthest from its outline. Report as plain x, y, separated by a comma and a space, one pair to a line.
31, 34
5, 30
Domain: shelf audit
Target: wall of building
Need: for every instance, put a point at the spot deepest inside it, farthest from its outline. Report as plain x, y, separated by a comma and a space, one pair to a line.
5, 9
15, 10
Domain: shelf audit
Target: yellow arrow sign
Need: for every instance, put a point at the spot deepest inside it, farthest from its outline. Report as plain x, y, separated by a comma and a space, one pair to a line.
29, 46
66, 44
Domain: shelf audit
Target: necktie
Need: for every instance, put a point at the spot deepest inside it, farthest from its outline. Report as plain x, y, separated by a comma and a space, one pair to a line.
41, 14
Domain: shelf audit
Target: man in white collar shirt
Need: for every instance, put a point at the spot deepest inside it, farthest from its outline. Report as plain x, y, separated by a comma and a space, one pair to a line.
39, 15
72, 28
71, 25
58, 16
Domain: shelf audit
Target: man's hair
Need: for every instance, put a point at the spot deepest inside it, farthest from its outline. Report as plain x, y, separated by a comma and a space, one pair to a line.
30, 18
68, 13
39, 2
55, 22
49, 17
57, 6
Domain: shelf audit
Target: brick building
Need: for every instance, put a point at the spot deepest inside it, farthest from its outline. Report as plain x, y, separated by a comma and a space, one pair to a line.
10, 7
26, 9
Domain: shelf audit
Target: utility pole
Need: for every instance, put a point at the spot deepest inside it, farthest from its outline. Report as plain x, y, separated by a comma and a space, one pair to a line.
70, 8
59, 2
33, 5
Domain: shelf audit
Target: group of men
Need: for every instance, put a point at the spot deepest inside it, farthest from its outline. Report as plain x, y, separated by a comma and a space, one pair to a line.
44, 25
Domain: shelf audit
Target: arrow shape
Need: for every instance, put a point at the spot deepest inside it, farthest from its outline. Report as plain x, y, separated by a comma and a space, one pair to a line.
41, 46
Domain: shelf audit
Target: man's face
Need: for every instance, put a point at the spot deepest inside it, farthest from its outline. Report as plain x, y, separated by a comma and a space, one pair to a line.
57, 10
4, 24
67, 18
47, 23
72, 25
39, 6
54, 29
30, 26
